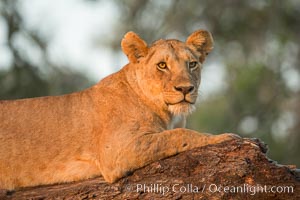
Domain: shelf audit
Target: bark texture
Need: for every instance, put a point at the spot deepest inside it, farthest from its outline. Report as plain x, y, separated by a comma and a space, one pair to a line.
236, 169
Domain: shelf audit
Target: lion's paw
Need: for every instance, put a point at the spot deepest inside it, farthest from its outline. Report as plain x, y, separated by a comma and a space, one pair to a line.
225, 137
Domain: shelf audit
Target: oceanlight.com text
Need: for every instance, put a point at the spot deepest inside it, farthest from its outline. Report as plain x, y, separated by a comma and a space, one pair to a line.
211, 188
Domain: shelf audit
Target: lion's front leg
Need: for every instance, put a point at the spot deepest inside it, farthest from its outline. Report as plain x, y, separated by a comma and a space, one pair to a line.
152, 147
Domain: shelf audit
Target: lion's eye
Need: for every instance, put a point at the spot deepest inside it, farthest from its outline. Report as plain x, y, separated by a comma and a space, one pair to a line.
162, 65
193, 65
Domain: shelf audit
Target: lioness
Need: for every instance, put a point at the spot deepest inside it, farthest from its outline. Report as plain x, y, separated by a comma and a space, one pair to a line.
122, 123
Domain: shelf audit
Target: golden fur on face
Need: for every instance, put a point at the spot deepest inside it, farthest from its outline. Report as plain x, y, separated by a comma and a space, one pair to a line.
174, 86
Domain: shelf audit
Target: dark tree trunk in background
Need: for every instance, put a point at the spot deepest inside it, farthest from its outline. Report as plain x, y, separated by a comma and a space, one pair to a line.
237, 169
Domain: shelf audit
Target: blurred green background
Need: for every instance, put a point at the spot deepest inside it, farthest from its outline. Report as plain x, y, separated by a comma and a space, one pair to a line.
251, 80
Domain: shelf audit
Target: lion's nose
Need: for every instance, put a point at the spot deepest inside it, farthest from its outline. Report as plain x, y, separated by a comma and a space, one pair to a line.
184, 89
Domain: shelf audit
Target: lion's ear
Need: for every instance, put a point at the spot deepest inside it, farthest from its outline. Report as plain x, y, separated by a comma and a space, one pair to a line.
134, 47
202, 42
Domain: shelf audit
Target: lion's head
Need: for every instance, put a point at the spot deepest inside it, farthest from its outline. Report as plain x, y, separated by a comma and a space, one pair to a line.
169, 71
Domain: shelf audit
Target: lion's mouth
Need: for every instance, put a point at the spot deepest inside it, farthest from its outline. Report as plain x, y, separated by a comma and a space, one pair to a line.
183, 107
180, 104
183, 101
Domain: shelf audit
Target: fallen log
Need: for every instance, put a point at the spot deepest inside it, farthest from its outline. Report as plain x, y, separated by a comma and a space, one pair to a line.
236, 169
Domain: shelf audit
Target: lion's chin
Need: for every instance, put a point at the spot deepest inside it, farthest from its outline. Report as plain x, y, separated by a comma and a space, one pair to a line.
183, 108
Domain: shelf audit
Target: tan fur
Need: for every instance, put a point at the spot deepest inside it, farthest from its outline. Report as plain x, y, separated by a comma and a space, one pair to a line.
118, 125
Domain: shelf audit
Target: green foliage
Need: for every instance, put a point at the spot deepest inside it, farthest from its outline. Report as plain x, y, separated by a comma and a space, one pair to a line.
25, 78
24, 82
21, 83
254, 91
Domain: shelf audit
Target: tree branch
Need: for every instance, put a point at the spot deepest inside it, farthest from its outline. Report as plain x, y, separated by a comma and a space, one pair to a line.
236, 169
